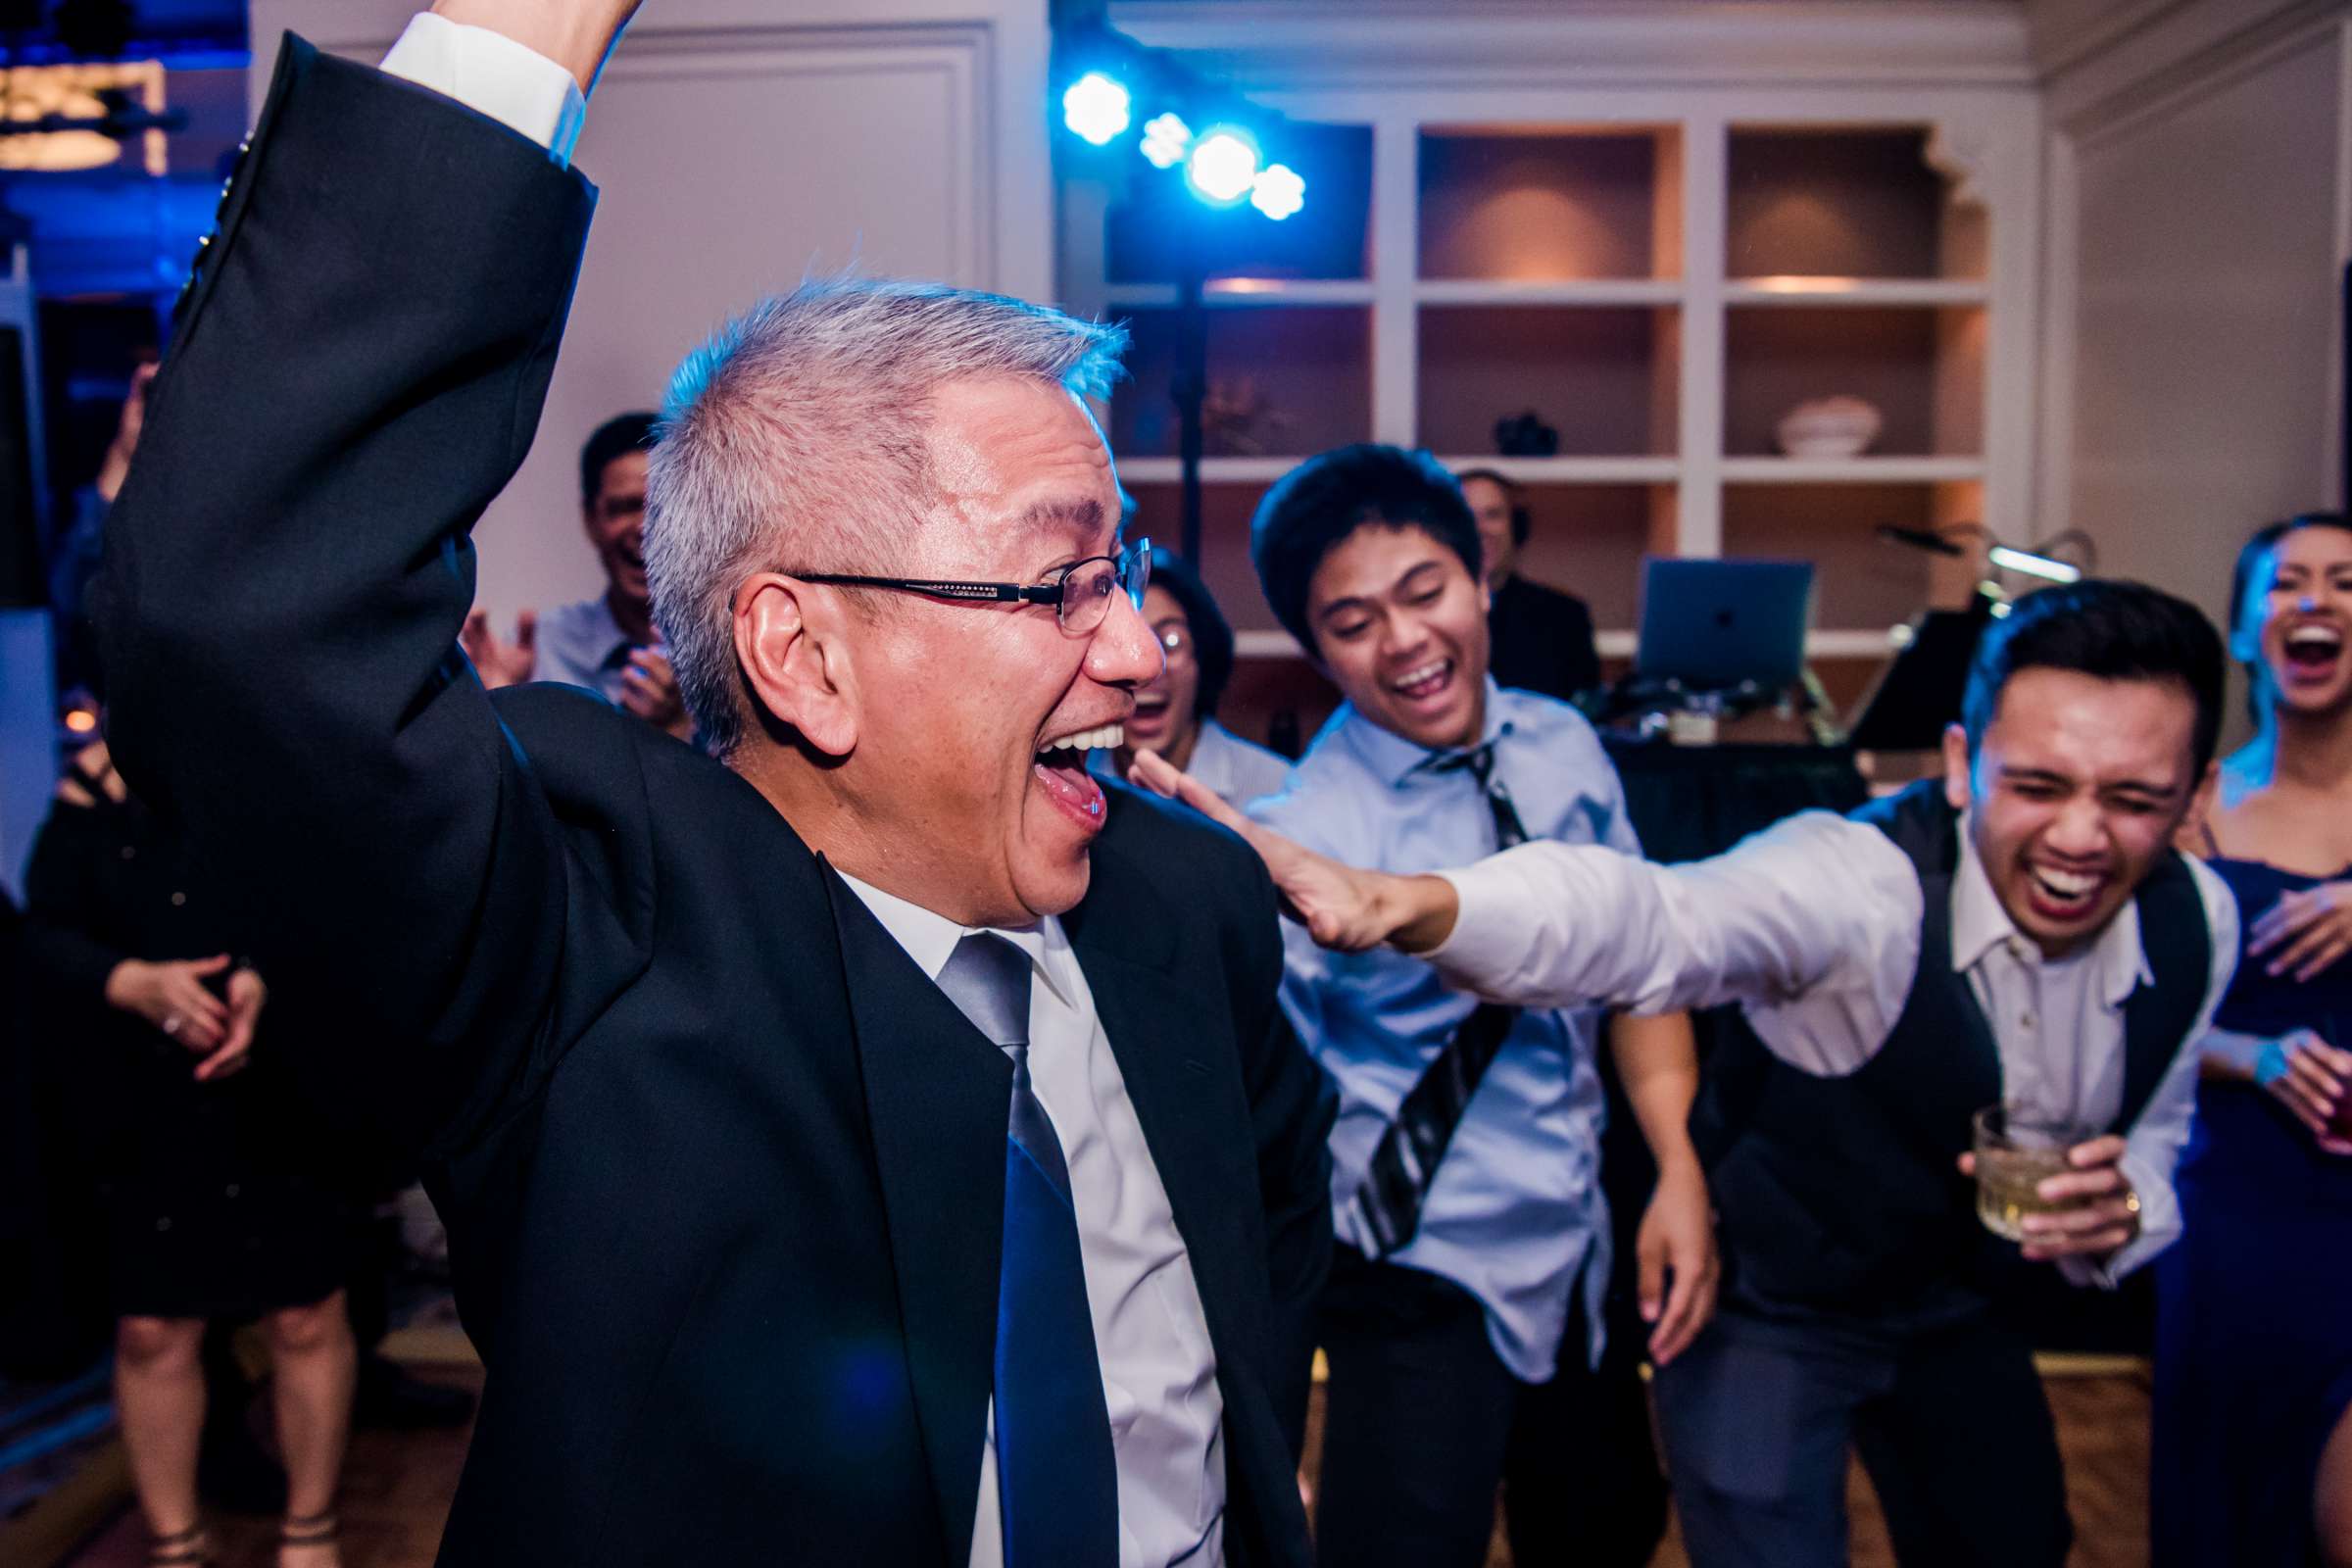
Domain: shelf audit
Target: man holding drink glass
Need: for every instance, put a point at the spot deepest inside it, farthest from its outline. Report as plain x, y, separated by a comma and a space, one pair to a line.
2017, 937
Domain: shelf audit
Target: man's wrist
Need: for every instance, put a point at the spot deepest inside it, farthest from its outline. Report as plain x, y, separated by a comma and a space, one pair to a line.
576, 37
1418, 912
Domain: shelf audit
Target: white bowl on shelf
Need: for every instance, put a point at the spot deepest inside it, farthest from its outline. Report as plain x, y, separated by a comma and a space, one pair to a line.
1829, 427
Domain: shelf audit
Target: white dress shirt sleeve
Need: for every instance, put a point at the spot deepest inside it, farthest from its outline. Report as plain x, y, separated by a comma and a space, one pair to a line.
2152, 1148
1813, 923
490, 72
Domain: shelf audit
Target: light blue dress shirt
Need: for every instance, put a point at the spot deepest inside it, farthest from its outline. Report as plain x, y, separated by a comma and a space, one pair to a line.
1516, 1210
582, 645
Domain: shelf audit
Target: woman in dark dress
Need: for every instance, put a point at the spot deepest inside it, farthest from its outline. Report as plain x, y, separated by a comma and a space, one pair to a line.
2252, 1461
210, 1215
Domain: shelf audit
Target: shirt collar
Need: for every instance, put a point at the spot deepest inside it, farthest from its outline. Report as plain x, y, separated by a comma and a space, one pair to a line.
930, 938
1397, 762
1980, 925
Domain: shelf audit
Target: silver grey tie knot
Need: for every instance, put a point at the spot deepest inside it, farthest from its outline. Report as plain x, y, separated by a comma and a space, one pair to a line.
988, 979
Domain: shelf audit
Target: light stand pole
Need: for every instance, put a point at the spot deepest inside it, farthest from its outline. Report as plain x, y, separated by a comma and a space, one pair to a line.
1191, 389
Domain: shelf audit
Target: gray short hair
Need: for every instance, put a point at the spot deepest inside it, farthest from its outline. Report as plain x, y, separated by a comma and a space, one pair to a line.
798, 437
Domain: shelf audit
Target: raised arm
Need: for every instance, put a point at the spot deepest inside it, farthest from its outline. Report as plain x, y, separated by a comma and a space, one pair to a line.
358, 368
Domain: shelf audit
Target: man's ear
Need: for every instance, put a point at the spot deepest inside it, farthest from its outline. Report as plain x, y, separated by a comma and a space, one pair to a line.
789, 641
1955, 766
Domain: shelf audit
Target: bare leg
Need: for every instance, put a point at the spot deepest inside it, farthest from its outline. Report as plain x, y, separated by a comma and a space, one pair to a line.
2332, 1499
314, 1357
159, 1392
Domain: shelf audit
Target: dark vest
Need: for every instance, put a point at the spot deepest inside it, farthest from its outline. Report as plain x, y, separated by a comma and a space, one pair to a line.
1843, 1195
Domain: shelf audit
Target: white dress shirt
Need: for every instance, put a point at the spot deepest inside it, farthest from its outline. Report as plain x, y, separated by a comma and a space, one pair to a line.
1159, 1374
1814, 925
1159, 1379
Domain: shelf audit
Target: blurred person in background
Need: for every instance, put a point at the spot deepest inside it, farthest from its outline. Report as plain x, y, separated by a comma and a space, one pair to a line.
606, 644
1542, 637
1175, 715
2252, 1459
213, 1208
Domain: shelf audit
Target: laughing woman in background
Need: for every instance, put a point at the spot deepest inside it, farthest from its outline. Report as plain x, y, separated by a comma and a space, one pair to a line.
2252, 1463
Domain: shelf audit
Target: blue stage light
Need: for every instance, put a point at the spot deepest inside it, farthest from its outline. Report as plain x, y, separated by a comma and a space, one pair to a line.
1095, 106
1278, 191
1222, 164
1166, 139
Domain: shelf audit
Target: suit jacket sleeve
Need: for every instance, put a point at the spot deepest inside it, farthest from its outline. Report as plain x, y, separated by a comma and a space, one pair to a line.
358, 369
1291, 1107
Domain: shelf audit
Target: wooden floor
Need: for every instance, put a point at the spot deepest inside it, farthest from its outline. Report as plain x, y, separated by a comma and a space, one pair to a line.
396, 1490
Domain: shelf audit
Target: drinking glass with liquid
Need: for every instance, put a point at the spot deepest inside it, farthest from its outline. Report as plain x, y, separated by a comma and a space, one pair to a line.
2017, 1151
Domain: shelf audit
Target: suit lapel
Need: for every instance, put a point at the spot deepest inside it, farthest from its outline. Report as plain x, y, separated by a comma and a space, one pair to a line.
1164, 1037
936, 1099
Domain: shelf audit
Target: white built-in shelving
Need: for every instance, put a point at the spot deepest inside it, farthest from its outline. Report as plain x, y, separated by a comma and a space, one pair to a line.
1658, 241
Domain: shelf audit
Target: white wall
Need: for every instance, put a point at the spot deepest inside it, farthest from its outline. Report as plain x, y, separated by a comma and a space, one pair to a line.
738, 144
2199, 168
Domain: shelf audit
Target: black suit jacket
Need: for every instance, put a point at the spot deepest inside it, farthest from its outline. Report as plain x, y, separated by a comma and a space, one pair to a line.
1541, 640
722, 1171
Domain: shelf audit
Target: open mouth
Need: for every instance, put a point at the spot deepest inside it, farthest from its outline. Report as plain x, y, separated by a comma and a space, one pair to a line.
1424, 682
1150, 715
1061, 771
2313, 650
2061, 895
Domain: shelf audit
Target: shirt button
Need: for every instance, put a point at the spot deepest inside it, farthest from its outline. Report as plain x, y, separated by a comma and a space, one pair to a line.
130, 852
2026, 1019
178, 899
232, 1189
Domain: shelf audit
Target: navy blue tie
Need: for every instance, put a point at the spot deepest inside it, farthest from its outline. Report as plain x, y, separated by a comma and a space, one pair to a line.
1057, 1484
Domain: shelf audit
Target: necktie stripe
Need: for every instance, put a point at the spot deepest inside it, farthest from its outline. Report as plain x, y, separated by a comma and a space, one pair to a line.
1405, 1161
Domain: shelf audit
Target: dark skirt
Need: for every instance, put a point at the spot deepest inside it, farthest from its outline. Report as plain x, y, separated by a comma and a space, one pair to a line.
2253, 1337
216, 1207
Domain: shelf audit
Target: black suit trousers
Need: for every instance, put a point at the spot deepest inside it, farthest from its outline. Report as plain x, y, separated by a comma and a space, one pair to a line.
1423, 1421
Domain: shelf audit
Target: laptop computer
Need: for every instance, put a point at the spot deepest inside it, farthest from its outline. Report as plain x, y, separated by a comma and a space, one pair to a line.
1718, 624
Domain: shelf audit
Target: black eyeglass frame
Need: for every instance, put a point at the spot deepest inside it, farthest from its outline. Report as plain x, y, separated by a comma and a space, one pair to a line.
1135, 561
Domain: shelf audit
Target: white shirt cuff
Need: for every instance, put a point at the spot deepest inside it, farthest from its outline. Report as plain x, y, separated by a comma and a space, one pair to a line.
1486, 942
490, 72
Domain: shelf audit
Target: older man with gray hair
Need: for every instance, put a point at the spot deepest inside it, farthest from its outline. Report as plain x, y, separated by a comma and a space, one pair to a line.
880, 1141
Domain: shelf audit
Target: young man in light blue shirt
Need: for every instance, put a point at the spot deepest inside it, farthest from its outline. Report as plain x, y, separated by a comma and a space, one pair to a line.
1464, 1324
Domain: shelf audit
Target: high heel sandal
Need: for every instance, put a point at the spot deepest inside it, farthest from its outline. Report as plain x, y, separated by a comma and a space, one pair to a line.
191, 1547
312, 1530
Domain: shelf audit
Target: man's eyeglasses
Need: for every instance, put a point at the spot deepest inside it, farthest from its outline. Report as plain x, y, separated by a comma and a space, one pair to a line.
1080, 592
1175, 639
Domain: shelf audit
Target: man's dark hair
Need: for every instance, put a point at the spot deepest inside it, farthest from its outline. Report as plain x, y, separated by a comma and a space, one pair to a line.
617, 437
1523, 520
2108, 630
1319, 504
1212, 638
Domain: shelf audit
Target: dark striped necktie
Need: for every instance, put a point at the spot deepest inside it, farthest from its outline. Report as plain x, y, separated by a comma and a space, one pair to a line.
1405, 1161
1056, 1479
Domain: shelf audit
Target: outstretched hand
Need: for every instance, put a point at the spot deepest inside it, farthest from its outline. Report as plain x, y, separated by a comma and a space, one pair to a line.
1339, 906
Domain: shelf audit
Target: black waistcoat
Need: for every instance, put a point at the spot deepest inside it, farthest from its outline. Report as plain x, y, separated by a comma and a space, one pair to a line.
1843, 1195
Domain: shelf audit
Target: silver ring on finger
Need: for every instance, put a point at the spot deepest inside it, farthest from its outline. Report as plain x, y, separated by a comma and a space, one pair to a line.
172, 1024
